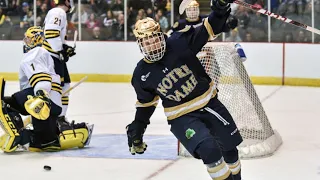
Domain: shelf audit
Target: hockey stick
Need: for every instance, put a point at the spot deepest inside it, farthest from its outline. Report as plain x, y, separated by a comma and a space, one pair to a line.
75, 36
74, 86
277, 16
184, 4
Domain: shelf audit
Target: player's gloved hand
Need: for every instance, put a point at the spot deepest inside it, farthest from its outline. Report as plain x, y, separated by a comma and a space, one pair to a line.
221, 7
135, 132
67, 51
39, 105
232, 22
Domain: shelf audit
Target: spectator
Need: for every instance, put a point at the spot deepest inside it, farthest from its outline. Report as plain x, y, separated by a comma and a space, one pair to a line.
43, 12
83, 17
248, 37
118, 29
288, 37
109, 20
99, 7
163, 21
117, 7
302, 38
149, 13
25, 15
96, 34
141, 14
92, 21
234, 36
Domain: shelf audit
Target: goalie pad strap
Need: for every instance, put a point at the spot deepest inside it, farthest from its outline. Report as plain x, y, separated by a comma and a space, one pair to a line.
73, 138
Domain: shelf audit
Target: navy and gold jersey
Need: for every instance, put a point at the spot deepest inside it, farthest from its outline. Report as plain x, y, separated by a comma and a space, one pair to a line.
178, 79
182, 23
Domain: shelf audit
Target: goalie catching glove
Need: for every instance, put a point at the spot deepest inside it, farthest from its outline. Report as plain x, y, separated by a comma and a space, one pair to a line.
67, 52
39, 105
135, 132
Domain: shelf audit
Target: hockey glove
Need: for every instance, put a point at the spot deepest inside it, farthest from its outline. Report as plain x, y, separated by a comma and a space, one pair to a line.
232, 22
221, 7
67, 52
39, 105
135, 132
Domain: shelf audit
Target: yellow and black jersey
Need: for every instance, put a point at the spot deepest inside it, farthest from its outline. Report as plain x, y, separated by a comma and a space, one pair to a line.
55, 28
37, 71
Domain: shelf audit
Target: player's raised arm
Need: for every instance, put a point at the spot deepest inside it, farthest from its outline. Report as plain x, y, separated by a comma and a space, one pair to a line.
212, 25
146, 104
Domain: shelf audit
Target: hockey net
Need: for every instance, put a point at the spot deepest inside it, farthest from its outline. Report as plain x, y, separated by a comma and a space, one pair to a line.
223, 64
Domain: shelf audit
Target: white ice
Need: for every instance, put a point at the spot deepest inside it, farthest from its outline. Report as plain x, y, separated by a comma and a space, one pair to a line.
293, 111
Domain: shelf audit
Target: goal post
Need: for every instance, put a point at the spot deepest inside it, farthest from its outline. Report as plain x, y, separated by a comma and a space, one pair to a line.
236, 91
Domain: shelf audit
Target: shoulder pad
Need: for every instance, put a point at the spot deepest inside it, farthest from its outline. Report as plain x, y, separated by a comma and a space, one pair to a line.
175, 25
185, 29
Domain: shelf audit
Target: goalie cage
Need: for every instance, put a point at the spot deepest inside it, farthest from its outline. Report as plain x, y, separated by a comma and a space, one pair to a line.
223, 64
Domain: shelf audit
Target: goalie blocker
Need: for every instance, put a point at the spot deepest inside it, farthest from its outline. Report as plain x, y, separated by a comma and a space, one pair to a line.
46, 135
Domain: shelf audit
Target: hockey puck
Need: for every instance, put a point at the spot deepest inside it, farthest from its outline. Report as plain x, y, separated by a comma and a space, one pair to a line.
48, 168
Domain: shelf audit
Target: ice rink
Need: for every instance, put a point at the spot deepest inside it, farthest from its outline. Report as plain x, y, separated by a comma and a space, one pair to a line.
293, 111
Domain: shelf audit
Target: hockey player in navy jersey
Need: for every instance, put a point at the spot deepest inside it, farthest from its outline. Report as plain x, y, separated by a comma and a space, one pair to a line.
195, 19
171, 71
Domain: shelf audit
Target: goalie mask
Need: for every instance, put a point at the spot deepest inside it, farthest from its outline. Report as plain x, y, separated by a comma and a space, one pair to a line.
33, 37
192, 11
68, 3
150, 39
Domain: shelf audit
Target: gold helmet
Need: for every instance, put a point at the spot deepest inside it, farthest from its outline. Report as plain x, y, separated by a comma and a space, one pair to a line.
33, 37
150, 39
193, 11
68, 3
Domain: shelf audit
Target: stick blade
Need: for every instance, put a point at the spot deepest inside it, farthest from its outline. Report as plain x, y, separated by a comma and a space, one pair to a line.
183, 6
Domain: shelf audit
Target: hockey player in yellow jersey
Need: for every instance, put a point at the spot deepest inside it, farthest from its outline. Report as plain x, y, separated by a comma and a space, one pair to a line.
55, 28
40, 97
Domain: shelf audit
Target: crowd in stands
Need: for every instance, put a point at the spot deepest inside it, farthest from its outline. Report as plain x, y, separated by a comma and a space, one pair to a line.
103, 20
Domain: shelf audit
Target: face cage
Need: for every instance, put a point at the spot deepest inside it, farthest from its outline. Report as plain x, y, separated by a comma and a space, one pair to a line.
192, 13
29, 43
153, 47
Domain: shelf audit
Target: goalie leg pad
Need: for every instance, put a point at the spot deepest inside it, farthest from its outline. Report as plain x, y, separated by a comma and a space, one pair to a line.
11, 123
75, 135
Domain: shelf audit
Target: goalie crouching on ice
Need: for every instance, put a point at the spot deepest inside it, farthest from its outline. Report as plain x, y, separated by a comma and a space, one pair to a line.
40, 97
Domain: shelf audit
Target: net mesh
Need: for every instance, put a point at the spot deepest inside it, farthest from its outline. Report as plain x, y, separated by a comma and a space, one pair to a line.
223, 64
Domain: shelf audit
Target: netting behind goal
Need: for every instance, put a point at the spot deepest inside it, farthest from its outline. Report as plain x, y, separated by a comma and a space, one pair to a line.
236, 92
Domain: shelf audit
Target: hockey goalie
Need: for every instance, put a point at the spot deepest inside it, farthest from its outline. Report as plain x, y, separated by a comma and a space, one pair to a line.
40, 97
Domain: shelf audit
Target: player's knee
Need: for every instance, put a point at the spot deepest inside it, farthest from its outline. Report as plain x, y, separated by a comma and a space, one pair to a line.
232, 159
231, 156
209, 151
